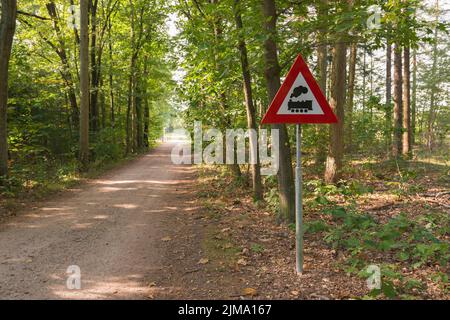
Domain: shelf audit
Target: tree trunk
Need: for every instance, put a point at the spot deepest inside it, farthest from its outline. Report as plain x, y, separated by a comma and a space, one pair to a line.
333, 169
250, 108
351, 94
414, 99
364, 82
406, 151
84, 84
94, 68
7, 30
130, 100
102, 103
111, 90
388, 105
371, 88
146, 107
398, 105
432, 112
130, 108
272, 76
322, 66
146, 123
139, 117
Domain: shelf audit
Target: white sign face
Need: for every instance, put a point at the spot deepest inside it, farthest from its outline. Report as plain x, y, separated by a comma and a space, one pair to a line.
300, 100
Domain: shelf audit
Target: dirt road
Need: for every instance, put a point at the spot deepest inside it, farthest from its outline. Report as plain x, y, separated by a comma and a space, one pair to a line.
126, 231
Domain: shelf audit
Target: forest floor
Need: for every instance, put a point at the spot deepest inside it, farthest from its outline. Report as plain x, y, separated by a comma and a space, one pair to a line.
395, 216
154, 230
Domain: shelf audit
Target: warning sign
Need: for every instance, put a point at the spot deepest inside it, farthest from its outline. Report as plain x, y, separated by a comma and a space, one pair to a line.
299, 99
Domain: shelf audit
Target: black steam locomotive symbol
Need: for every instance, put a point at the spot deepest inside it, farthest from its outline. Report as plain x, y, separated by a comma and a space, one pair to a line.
299, 106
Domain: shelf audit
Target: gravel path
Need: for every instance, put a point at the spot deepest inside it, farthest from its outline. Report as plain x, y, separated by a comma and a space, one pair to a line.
117, 229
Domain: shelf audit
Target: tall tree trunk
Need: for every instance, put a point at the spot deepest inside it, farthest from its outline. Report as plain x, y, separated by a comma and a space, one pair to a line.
407, 152
139, 117
111, 89
398, 105
7, 30
322, 66
130, 108
130, 105
371, 87
102, 103
364, 81
414, 99
322, 48
351, 94
84, 84
388, 105
146, 123
146, 107
333, 169
94, 68
272, 76
432, 112
250, 108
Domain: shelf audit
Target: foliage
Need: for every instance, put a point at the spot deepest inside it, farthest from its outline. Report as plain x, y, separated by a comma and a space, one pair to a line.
400, 240
42, 123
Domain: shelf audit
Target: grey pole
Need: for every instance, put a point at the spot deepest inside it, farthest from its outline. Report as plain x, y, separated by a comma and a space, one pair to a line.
298, 203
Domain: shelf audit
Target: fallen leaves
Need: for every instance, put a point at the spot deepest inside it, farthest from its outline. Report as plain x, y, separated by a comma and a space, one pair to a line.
249, 292
203, 261
242, 262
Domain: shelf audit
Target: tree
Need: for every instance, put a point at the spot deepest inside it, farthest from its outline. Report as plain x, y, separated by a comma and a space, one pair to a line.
434, 88
95, 67
414, 99
7, 30
322, 70
137, 40
111, 77
406, 151
388, 105
351, 94
250, 107
84, 84
398, 105
272, 76
333, 168
60, 50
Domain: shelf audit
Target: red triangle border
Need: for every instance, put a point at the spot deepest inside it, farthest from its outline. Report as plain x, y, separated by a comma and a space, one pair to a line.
271, 117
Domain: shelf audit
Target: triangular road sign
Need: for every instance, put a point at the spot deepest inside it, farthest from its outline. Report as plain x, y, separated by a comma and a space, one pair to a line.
299, 99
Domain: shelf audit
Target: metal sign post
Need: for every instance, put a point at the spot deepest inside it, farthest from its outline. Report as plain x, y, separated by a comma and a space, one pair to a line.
298, 203
299, 100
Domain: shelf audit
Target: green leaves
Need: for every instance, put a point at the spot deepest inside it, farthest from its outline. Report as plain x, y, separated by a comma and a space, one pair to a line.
363, 237
336, 212
316, 226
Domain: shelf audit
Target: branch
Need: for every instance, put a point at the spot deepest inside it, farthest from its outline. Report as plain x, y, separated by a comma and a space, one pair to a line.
187, 13
199, 8
51, 44
32, 15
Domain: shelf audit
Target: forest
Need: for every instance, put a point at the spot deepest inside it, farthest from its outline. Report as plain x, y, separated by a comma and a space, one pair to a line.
92, 85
